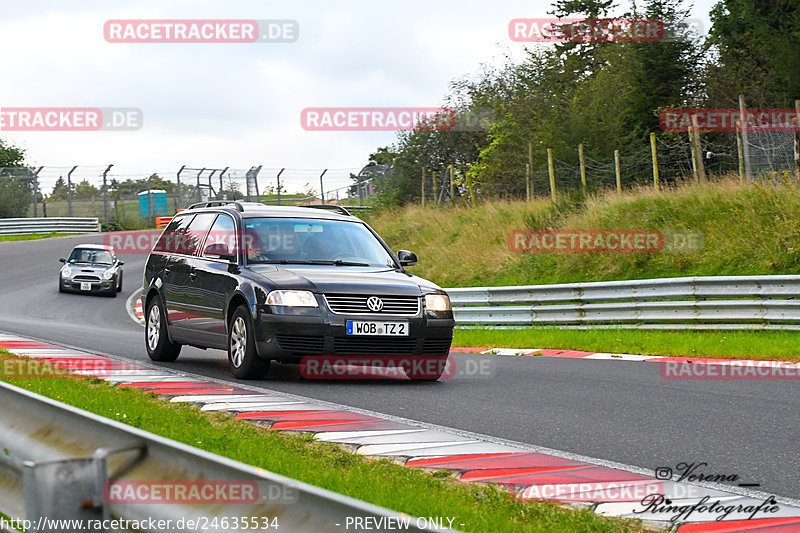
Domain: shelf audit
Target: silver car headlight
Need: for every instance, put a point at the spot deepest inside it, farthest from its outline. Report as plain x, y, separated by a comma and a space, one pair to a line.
108, 274
437, 302
65, 271
292, 298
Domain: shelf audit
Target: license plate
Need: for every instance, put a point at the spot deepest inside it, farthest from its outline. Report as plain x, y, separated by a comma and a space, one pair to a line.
392, 329
86, 286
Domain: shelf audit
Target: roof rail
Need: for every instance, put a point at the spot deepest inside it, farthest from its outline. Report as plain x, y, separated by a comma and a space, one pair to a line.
218, 203
339, 209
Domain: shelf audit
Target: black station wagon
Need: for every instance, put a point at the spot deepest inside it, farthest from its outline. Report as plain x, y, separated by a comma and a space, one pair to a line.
286, 284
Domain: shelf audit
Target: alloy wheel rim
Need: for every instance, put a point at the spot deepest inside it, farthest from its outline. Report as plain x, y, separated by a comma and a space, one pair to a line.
238, 341
153, 327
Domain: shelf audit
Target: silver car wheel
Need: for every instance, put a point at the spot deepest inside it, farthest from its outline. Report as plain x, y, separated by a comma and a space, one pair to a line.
238, 341
153, 327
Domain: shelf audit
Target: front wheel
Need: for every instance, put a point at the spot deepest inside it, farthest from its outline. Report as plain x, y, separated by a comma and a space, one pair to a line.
159, 347
119, 282
242, 356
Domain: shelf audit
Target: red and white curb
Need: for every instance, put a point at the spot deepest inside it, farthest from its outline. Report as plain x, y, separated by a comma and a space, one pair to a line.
577, 354
530, 472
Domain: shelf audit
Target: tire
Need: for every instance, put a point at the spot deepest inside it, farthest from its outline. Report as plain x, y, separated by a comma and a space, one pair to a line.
60, 286
242, 356
156, 339
430, 372
119, 282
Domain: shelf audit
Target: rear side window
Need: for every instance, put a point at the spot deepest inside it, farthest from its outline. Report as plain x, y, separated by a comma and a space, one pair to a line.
184, 234
198, 229
177, 226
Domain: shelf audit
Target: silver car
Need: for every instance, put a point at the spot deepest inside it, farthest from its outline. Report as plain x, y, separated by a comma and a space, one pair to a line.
91, 268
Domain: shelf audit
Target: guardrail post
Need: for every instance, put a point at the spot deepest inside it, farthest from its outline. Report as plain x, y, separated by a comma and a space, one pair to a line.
69, 190
583, 168
105, 193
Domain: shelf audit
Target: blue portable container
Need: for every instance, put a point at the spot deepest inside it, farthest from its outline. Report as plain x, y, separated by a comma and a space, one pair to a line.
157, 202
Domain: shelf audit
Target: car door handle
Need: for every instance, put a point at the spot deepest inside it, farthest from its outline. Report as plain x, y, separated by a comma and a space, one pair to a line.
193, 273
167, 270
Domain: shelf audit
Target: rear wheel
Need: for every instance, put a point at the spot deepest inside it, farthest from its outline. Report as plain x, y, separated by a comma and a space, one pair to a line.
242, 356
159, 347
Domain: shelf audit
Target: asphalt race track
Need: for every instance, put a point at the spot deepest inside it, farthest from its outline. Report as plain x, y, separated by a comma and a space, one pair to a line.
612, 410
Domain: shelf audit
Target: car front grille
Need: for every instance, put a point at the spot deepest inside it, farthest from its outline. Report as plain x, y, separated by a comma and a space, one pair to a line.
93, 279
356, 304
373, 346
436, 346
301, 344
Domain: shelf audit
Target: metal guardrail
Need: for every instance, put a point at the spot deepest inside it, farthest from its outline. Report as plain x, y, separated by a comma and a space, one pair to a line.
723, 302
57, 461
24, 226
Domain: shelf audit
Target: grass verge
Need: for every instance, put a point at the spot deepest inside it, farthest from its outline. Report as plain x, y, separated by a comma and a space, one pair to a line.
33, 236
379, 481
756, 345
746, 230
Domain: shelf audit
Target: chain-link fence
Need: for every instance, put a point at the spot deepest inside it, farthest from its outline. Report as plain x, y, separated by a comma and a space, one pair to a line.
135, 199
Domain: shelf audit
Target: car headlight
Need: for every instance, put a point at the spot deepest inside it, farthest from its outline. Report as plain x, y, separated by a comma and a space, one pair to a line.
108, 274
292, 298
437, 302
65, 271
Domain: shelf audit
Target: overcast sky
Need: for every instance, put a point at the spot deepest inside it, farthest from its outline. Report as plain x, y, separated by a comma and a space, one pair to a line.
238, 105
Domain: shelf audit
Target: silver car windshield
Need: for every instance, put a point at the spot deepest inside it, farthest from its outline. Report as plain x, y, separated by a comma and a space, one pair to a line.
93, 257
312, 241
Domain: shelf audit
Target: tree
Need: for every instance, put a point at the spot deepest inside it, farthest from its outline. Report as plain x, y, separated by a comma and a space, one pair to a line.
16, 182
757, 45
85, 191
60, 191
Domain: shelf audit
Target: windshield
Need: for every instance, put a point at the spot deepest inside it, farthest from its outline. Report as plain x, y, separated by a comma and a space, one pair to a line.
311, 241
87, 255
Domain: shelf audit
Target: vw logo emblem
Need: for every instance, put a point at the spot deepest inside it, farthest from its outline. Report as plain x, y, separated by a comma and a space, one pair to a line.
374, 304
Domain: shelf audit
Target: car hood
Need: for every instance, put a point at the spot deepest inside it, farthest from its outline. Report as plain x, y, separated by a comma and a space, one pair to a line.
345, 280
88, 269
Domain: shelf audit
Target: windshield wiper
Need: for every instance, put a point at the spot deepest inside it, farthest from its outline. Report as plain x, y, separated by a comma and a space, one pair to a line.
336, 262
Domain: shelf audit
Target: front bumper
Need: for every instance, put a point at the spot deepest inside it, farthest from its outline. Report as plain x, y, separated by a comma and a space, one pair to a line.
96, 286
290, 337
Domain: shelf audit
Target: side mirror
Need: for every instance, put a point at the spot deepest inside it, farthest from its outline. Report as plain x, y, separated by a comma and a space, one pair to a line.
406, 258
63, 260
120, 263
